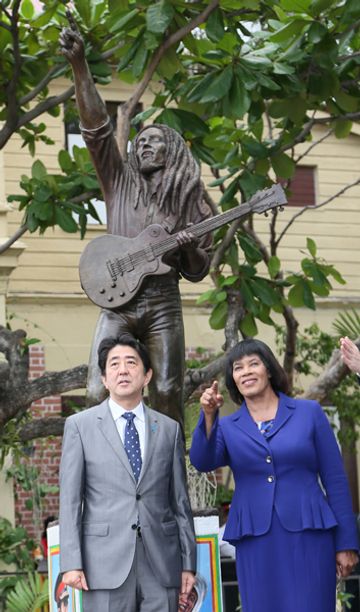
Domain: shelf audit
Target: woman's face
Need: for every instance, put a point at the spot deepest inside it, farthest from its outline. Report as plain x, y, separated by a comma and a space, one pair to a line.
250, 376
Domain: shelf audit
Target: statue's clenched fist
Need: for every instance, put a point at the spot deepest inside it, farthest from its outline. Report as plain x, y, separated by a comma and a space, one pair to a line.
71, 41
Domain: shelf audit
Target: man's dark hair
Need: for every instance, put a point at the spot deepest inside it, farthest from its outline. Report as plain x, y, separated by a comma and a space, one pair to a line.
181, 187
278, 378
125, 339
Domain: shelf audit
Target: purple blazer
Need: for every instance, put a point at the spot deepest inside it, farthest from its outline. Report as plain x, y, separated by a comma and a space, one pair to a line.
297, 470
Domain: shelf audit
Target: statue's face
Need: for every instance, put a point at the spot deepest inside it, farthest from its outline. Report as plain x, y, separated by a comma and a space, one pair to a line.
151, 150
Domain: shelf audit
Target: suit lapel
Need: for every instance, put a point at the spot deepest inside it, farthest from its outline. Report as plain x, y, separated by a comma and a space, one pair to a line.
243, 419
284, 412
151, 437
109, 430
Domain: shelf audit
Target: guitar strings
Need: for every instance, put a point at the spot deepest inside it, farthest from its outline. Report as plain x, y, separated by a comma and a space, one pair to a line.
132, 259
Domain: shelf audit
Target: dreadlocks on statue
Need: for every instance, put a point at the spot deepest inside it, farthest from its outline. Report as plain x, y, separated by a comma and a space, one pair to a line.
181, 186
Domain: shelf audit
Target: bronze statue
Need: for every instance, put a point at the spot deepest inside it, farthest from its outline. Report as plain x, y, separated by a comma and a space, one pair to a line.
159, 184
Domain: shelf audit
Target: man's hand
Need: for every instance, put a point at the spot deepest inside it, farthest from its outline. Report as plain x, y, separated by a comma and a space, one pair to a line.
345, 562
187, 583
350, 354
71, 41
187, 240
75, 579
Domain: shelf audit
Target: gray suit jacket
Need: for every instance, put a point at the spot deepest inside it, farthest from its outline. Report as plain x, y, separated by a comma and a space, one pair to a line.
100, 500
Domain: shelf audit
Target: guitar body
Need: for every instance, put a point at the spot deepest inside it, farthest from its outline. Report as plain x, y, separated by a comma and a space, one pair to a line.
112, 268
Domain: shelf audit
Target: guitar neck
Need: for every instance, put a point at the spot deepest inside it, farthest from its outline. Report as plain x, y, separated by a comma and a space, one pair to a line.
206, 226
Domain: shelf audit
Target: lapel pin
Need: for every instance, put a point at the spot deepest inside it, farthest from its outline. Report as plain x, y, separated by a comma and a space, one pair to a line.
154, 427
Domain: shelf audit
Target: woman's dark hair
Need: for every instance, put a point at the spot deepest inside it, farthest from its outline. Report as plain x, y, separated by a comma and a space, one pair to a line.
125, 339
278, 378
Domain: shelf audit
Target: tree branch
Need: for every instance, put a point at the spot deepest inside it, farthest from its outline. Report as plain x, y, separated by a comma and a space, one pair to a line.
46, 105
343, 58
42, 428
290, 343
306, 208
236, 313
194, 377
224, 245
129, 107
9, 128
54, 383
330, 378
314, 144
5, 26
260, 245
50, 76
8, 243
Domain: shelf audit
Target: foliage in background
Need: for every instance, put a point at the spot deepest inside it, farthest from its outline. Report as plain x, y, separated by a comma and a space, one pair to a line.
16, 550
347, 323
29, 594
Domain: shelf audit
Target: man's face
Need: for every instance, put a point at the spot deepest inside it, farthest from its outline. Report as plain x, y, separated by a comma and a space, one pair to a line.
125, 377
151, 150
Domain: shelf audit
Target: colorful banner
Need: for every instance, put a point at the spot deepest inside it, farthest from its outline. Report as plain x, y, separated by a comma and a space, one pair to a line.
61, 597
208, 577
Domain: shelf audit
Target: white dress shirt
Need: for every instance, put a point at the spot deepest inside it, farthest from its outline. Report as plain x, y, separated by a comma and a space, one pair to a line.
139, 421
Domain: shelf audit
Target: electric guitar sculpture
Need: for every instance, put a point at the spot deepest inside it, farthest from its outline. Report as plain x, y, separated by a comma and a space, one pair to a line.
112, 268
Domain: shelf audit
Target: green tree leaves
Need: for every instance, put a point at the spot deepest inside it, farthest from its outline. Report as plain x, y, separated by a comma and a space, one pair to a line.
159, 17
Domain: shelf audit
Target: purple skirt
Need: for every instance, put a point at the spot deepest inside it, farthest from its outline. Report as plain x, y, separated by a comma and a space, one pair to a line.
285, 571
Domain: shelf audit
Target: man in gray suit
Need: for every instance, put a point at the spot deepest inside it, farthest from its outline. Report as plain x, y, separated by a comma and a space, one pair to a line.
126, 529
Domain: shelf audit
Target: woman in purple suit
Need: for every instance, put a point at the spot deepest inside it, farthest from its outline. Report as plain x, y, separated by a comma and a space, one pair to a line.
291, 517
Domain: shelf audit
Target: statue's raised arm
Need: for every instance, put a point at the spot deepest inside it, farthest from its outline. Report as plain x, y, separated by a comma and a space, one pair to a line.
91, 107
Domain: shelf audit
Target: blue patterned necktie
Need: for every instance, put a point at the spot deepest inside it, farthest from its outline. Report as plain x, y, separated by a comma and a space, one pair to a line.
132, 444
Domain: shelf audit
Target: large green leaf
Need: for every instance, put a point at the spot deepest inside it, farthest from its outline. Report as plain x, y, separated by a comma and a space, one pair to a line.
274, 266
65, 220
302, 295
159, 17
27, 9
283, 165
215, 25
264, 291
218, 316
219, 86
252, 252
311, 246
248, 326
239, 99
118, 21
289, 31
343, 128
139, 61
38, 170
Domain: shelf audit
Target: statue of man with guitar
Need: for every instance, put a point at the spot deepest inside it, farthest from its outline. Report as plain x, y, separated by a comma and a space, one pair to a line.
151, 200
